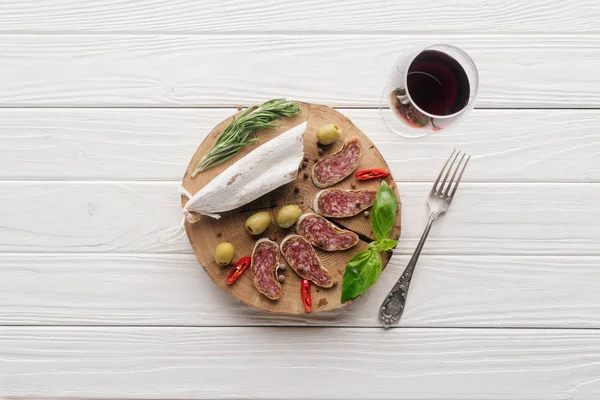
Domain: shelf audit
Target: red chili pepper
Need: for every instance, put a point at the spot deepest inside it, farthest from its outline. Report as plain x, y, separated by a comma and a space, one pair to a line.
238, 269
372, 173
305, 293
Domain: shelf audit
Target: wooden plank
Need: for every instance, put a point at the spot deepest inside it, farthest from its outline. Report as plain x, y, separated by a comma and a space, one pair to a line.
334, 16
156, 144
443, 364
124, 217
158, 290
517, 71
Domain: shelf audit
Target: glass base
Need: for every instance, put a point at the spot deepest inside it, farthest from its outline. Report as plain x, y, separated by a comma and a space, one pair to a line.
393, 122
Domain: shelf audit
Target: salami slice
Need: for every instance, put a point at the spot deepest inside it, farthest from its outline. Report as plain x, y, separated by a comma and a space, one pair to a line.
323, 234
335, 167
339, 203
303, 259
264, 265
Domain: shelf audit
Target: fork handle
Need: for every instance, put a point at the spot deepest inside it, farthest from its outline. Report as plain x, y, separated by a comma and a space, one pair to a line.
393, 306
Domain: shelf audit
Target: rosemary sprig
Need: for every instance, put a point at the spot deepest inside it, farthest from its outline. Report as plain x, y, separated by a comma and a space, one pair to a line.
236, 136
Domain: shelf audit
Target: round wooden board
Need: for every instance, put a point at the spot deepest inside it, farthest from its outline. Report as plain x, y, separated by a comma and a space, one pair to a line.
207, 233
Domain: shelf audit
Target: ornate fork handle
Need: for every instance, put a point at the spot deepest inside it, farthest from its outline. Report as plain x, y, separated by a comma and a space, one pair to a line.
393, 306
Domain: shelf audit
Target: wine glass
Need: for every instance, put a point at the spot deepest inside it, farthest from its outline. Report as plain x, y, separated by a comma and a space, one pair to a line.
429, 89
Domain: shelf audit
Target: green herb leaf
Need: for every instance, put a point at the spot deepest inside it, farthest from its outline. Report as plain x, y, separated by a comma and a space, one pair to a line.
361, 272
383, 245
383, 213
236, 136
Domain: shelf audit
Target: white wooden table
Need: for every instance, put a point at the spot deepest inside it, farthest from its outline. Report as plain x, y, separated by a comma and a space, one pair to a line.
103, 102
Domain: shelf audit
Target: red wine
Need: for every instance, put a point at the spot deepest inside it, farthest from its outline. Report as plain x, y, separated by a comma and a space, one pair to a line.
437, 83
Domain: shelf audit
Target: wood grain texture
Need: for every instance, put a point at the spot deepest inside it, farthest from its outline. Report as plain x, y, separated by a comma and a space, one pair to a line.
78, 240
485, 218
334, 16
443, 364
516, 71
172, 289
207, 233
155, 144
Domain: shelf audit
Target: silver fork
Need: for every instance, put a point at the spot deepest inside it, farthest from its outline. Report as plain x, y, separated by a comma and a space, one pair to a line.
439, 200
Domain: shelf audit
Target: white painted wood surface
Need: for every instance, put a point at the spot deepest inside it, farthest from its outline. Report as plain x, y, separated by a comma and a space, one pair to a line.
173, 290
323, 363
225, 70
102, 104
308, 16
127, 217
156, 144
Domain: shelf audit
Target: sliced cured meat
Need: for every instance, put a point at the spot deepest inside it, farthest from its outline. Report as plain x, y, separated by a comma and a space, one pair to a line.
302, 258
339, 203
335, 167
265, 261
323, 234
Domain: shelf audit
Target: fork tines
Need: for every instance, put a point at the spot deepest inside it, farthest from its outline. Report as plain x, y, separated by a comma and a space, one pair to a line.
459, 167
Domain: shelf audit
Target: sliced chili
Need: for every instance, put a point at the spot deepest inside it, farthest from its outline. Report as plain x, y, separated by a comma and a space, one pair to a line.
372, 173
305, 293
238, 269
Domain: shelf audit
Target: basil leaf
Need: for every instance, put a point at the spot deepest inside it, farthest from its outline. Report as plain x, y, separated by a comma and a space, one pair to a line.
383, 213
361, 272
383, 245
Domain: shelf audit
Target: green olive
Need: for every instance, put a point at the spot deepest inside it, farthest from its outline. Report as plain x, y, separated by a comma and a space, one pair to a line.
288, 215
224, 253
258, 223
328, 134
